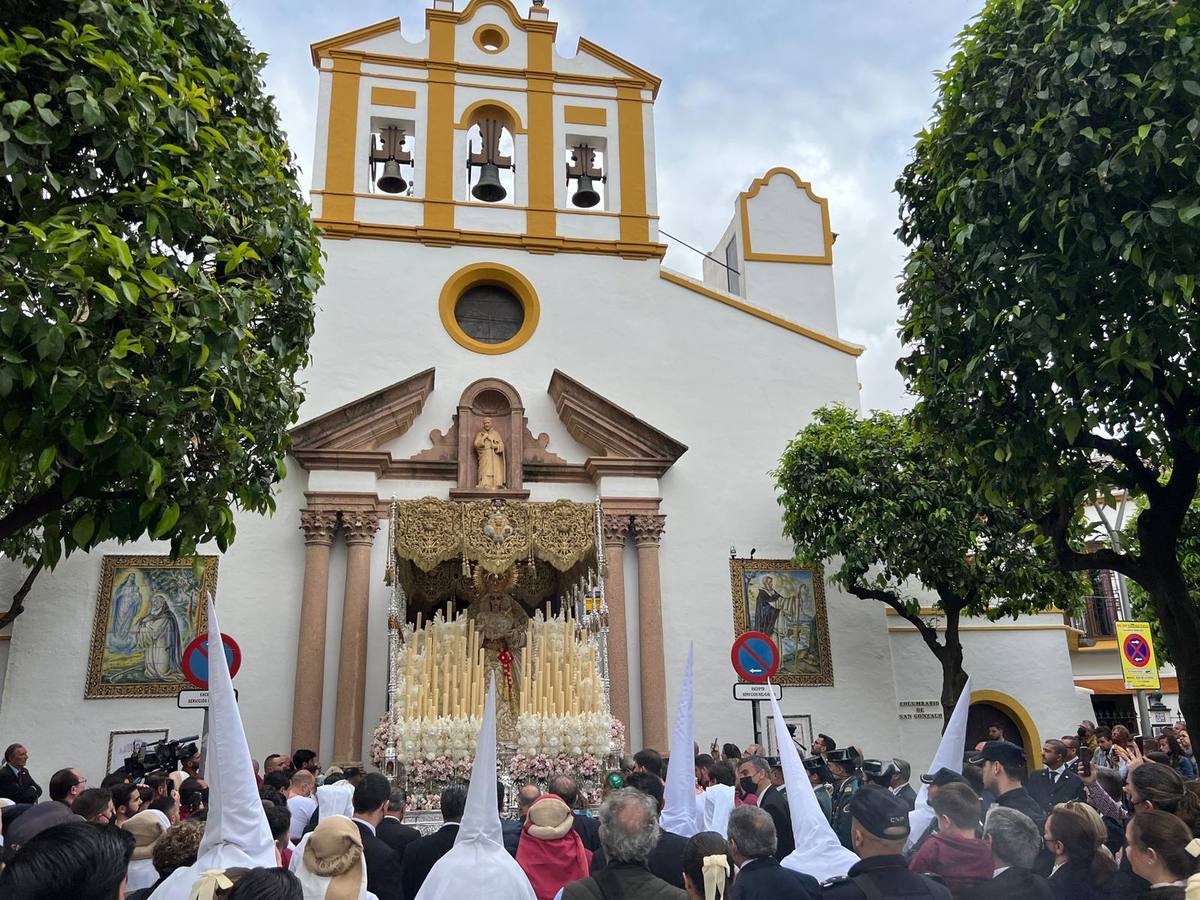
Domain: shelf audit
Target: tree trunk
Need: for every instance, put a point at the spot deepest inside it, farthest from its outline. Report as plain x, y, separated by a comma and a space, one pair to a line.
954, 678
1180, 619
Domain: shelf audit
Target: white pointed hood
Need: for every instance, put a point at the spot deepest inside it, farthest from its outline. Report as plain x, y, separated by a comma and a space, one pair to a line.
478, 865
818, 851
680, 814
236, 831
949, 755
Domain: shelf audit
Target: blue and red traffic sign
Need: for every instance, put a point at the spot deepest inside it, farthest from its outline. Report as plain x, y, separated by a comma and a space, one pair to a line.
195, 659
1137, 650
755, 657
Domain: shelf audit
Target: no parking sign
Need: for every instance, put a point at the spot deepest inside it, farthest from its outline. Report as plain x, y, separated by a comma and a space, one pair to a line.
1137, 656
195, 659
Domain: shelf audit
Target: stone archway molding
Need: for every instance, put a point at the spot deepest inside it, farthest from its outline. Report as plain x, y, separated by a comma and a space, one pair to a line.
1030, 736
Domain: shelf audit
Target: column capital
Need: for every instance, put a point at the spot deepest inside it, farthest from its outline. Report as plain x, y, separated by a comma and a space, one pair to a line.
318, 525
359, 526
648, 530
616, 528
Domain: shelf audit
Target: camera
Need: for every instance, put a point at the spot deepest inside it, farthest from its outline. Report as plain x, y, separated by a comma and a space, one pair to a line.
161, 756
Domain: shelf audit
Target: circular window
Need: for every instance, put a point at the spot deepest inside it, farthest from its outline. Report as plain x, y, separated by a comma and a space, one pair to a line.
490, 39
489, 313
489, 308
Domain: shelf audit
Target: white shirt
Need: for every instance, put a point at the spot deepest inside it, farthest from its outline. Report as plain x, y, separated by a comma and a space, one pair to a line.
301, 809
996, 872
364, 824
1056, 774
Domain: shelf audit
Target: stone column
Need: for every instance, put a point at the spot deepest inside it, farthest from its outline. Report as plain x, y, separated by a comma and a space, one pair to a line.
647, 532
318, 527
616, 530
359, 528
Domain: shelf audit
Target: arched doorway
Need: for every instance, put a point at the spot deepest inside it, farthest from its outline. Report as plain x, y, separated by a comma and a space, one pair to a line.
996, 708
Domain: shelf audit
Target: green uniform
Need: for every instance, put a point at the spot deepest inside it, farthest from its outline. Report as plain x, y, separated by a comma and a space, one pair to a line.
843, 793
824, 799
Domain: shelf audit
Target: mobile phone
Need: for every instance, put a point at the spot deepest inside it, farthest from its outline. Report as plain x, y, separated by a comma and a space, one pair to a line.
1084, 766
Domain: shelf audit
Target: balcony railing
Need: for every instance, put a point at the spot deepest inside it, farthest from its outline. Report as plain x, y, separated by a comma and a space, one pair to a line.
1097, 619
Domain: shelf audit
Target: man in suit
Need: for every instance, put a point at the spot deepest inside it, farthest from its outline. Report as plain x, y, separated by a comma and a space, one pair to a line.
1056, 783
900, 783
511, 828
392, 830
754, 775
665, 861
15, 781
585, 826
1015, 843
752, 844
421, 854
383, 863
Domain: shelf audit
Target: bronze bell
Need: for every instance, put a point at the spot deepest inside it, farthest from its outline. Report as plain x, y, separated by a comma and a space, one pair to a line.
586, 197
391, 181
489, 189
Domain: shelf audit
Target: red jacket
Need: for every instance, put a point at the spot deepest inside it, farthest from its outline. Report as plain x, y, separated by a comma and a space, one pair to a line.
961, 862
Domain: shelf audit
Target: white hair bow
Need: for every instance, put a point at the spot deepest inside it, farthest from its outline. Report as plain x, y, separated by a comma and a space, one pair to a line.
716, 870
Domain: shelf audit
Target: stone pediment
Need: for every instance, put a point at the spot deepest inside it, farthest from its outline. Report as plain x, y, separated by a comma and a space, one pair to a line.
354, 436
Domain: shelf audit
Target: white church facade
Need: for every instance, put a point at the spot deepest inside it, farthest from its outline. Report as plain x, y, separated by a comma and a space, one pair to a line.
667, 398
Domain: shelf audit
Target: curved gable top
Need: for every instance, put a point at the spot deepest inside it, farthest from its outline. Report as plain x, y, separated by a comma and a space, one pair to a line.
794, 229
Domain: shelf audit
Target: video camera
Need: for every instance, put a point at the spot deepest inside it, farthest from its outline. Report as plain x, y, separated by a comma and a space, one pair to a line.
161, 756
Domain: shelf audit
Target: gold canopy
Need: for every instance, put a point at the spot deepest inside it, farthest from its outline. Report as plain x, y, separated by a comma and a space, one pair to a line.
494, 534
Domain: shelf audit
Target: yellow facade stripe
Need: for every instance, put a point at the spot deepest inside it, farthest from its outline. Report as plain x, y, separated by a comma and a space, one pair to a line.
585, 115
381, 96
397, 198
730, 300
439, 128
340, 156
325, 47
911, 629
540, 221
826, 258
632, 139
653, 82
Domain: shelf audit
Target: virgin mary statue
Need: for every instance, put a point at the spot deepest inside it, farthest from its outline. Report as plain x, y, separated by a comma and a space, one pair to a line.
158, 635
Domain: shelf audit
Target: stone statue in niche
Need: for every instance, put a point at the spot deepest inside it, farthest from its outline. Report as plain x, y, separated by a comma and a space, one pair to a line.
489, 448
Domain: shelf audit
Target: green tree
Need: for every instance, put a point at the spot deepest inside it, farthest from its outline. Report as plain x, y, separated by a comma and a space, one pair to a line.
1189, 555
896, 512
1052, 216
157, 270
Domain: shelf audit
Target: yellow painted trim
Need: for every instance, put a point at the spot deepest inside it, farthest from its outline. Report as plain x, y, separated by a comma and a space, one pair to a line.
508, 116
511, 88
1030, 736
481, 274
543, 168
652, 82
381, 96
931, 611
323, 48
447, 237
757, 185
469, 13
632, 149
439, 130
1106, 645
340, 156
910, 629
479, 36
585, 115
730, 300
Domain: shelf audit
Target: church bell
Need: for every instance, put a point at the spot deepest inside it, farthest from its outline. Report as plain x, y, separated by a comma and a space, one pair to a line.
489, 189
586, 196
391, 181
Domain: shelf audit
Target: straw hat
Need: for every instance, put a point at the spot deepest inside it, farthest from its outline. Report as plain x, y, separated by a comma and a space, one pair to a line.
147, 828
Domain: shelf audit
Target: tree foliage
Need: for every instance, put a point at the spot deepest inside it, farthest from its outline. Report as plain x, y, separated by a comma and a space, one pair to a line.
897, 512
157, 269
1052, 215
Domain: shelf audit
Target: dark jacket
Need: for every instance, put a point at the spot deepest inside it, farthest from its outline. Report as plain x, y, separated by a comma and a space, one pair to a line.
766, 879
1166, 892
1075, 881
890, 877
665, 860
396, 834
1049, 793
588, 830
633, 882
1020, 800
18, 787
774, 802
512, 835
383, 865
1012, 884
908, 795
420, 855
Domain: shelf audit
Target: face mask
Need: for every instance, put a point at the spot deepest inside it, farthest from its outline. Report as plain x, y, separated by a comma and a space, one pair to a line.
747, 784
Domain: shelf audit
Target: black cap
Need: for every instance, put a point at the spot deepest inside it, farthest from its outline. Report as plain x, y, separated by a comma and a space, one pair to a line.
1003, 752
842, 755
814, 763
943, 777
880, 812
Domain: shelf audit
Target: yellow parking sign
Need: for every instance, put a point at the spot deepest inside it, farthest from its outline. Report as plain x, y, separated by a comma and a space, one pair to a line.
1137, 656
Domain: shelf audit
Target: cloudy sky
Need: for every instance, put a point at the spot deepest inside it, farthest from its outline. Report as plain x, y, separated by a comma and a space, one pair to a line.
834, 89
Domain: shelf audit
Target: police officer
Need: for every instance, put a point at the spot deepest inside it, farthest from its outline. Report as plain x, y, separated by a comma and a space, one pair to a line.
819, 777
843, 764
879, 827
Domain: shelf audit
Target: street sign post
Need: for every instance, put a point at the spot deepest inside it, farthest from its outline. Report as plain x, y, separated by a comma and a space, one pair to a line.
757, 692
755, 658
195, 670
1137, 656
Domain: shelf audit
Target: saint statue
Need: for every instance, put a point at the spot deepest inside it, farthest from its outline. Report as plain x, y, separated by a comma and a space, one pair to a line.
157, 633
489, 447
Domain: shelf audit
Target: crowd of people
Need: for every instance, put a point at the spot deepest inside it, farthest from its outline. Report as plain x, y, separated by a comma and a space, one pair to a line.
1104, 817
